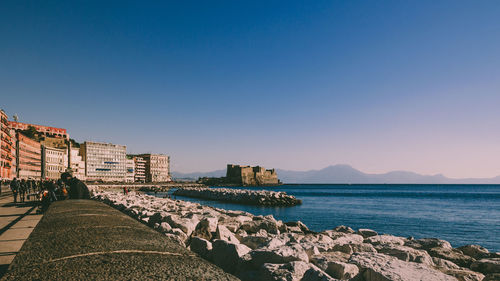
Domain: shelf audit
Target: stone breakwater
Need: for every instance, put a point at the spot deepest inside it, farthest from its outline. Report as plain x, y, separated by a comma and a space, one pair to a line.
241, 196
263, 248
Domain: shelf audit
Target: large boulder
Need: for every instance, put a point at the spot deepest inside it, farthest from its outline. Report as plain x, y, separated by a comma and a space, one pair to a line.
463, 274
223, 233
385, 239
344, 229
379, 267
201, 246
254, 242
428, 243
292, 271
336, 269
487, 266
227, 255
367, 232
354, 248
316, 274
185, 224
475, 251
282, 254
407, 254
453, 255
269, 225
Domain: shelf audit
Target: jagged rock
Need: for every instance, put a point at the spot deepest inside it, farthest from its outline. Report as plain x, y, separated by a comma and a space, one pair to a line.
428, 243
179, 233
492, 277
385, 240
296, 226
292, 271
442, 263
475, 251
453, 255
223, 233
463, 274
254, 242
379, 267
185, 224
336, 269
165, 227
407, 254
316, 274
154, 219
176, 239
282, 254
355, 248
202, 230
344, 229
270, 226
201, 246
226, 254
325, 258
487, 266
366, 232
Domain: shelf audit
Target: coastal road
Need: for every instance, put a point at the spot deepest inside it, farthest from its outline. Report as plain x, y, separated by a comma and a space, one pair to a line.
88, 240
17, 221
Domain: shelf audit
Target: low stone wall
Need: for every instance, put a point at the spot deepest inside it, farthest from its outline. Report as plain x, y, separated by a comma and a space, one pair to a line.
263, 248
241, 196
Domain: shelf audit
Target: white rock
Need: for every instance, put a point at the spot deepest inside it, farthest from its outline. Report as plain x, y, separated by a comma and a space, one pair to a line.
292, 271
379, 267
223, 233
226, 254
385, 240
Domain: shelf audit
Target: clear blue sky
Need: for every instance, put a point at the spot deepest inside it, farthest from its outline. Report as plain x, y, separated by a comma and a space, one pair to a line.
379, 85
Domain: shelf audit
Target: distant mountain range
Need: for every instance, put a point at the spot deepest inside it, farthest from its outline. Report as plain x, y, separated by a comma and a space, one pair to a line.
347, 174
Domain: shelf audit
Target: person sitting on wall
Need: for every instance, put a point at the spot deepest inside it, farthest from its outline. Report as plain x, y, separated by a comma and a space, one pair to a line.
77, 189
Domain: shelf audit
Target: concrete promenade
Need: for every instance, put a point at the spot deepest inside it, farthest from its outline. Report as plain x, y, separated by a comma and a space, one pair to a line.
88, 240
17, 221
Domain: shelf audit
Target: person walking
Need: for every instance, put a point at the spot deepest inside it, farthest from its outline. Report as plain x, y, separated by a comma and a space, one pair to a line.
77, 189
22, 190
14, 186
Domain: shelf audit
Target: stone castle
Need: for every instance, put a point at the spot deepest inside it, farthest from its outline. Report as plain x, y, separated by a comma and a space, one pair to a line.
247, 175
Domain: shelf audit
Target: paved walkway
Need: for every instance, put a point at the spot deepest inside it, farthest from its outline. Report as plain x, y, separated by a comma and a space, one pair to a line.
16, 224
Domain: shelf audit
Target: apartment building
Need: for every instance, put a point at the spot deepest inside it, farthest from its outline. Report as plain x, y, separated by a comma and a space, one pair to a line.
130, 166
140, 169
104, 161
29, 157
157, 167
53, 160
7, 147
75, 163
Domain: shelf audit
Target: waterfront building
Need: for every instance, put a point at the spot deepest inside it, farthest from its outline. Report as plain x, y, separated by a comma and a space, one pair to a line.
157, 167
140, 169
7, 146
28, 158
43, 130
53, 162
104, 161
130, 166
75, 163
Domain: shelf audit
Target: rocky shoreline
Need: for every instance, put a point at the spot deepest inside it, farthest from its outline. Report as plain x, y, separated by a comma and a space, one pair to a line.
263, 248
240, 196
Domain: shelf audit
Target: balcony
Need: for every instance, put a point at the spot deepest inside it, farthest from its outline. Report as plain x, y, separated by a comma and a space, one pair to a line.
5, 129
5, 121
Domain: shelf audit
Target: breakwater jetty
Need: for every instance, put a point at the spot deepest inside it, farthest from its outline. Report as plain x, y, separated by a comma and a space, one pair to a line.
241, 196
88, 240
263, 248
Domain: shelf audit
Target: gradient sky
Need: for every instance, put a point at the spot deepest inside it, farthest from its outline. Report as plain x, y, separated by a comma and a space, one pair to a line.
379, 85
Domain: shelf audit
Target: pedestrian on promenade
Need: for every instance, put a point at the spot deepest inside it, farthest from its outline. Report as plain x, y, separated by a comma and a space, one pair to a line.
22, 190
125, 190
14, 186
77, 189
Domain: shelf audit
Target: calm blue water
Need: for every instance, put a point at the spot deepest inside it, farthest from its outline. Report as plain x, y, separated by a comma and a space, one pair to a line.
461, 214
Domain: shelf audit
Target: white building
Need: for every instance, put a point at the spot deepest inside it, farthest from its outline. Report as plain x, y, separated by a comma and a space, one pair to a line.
140, 169
76, 163
104, 161
53, 162
130, 165
157, 167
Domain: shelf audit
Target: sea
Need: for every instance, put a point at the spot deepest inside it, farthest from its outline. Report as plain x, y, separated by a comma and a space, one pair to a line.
460, 214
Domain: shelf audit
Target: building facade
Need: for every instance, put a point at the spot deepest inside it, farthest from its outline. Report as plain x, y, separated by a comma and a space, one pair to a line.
7, 147
140, 169
53, 160
104, 161
130, 166
44, 130
28, 158
75, 163
157, 167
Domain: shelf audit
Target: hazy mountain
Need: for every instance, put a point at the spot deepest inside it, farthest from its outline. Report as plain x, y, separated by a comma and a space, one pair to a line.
196, 175
347, 174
